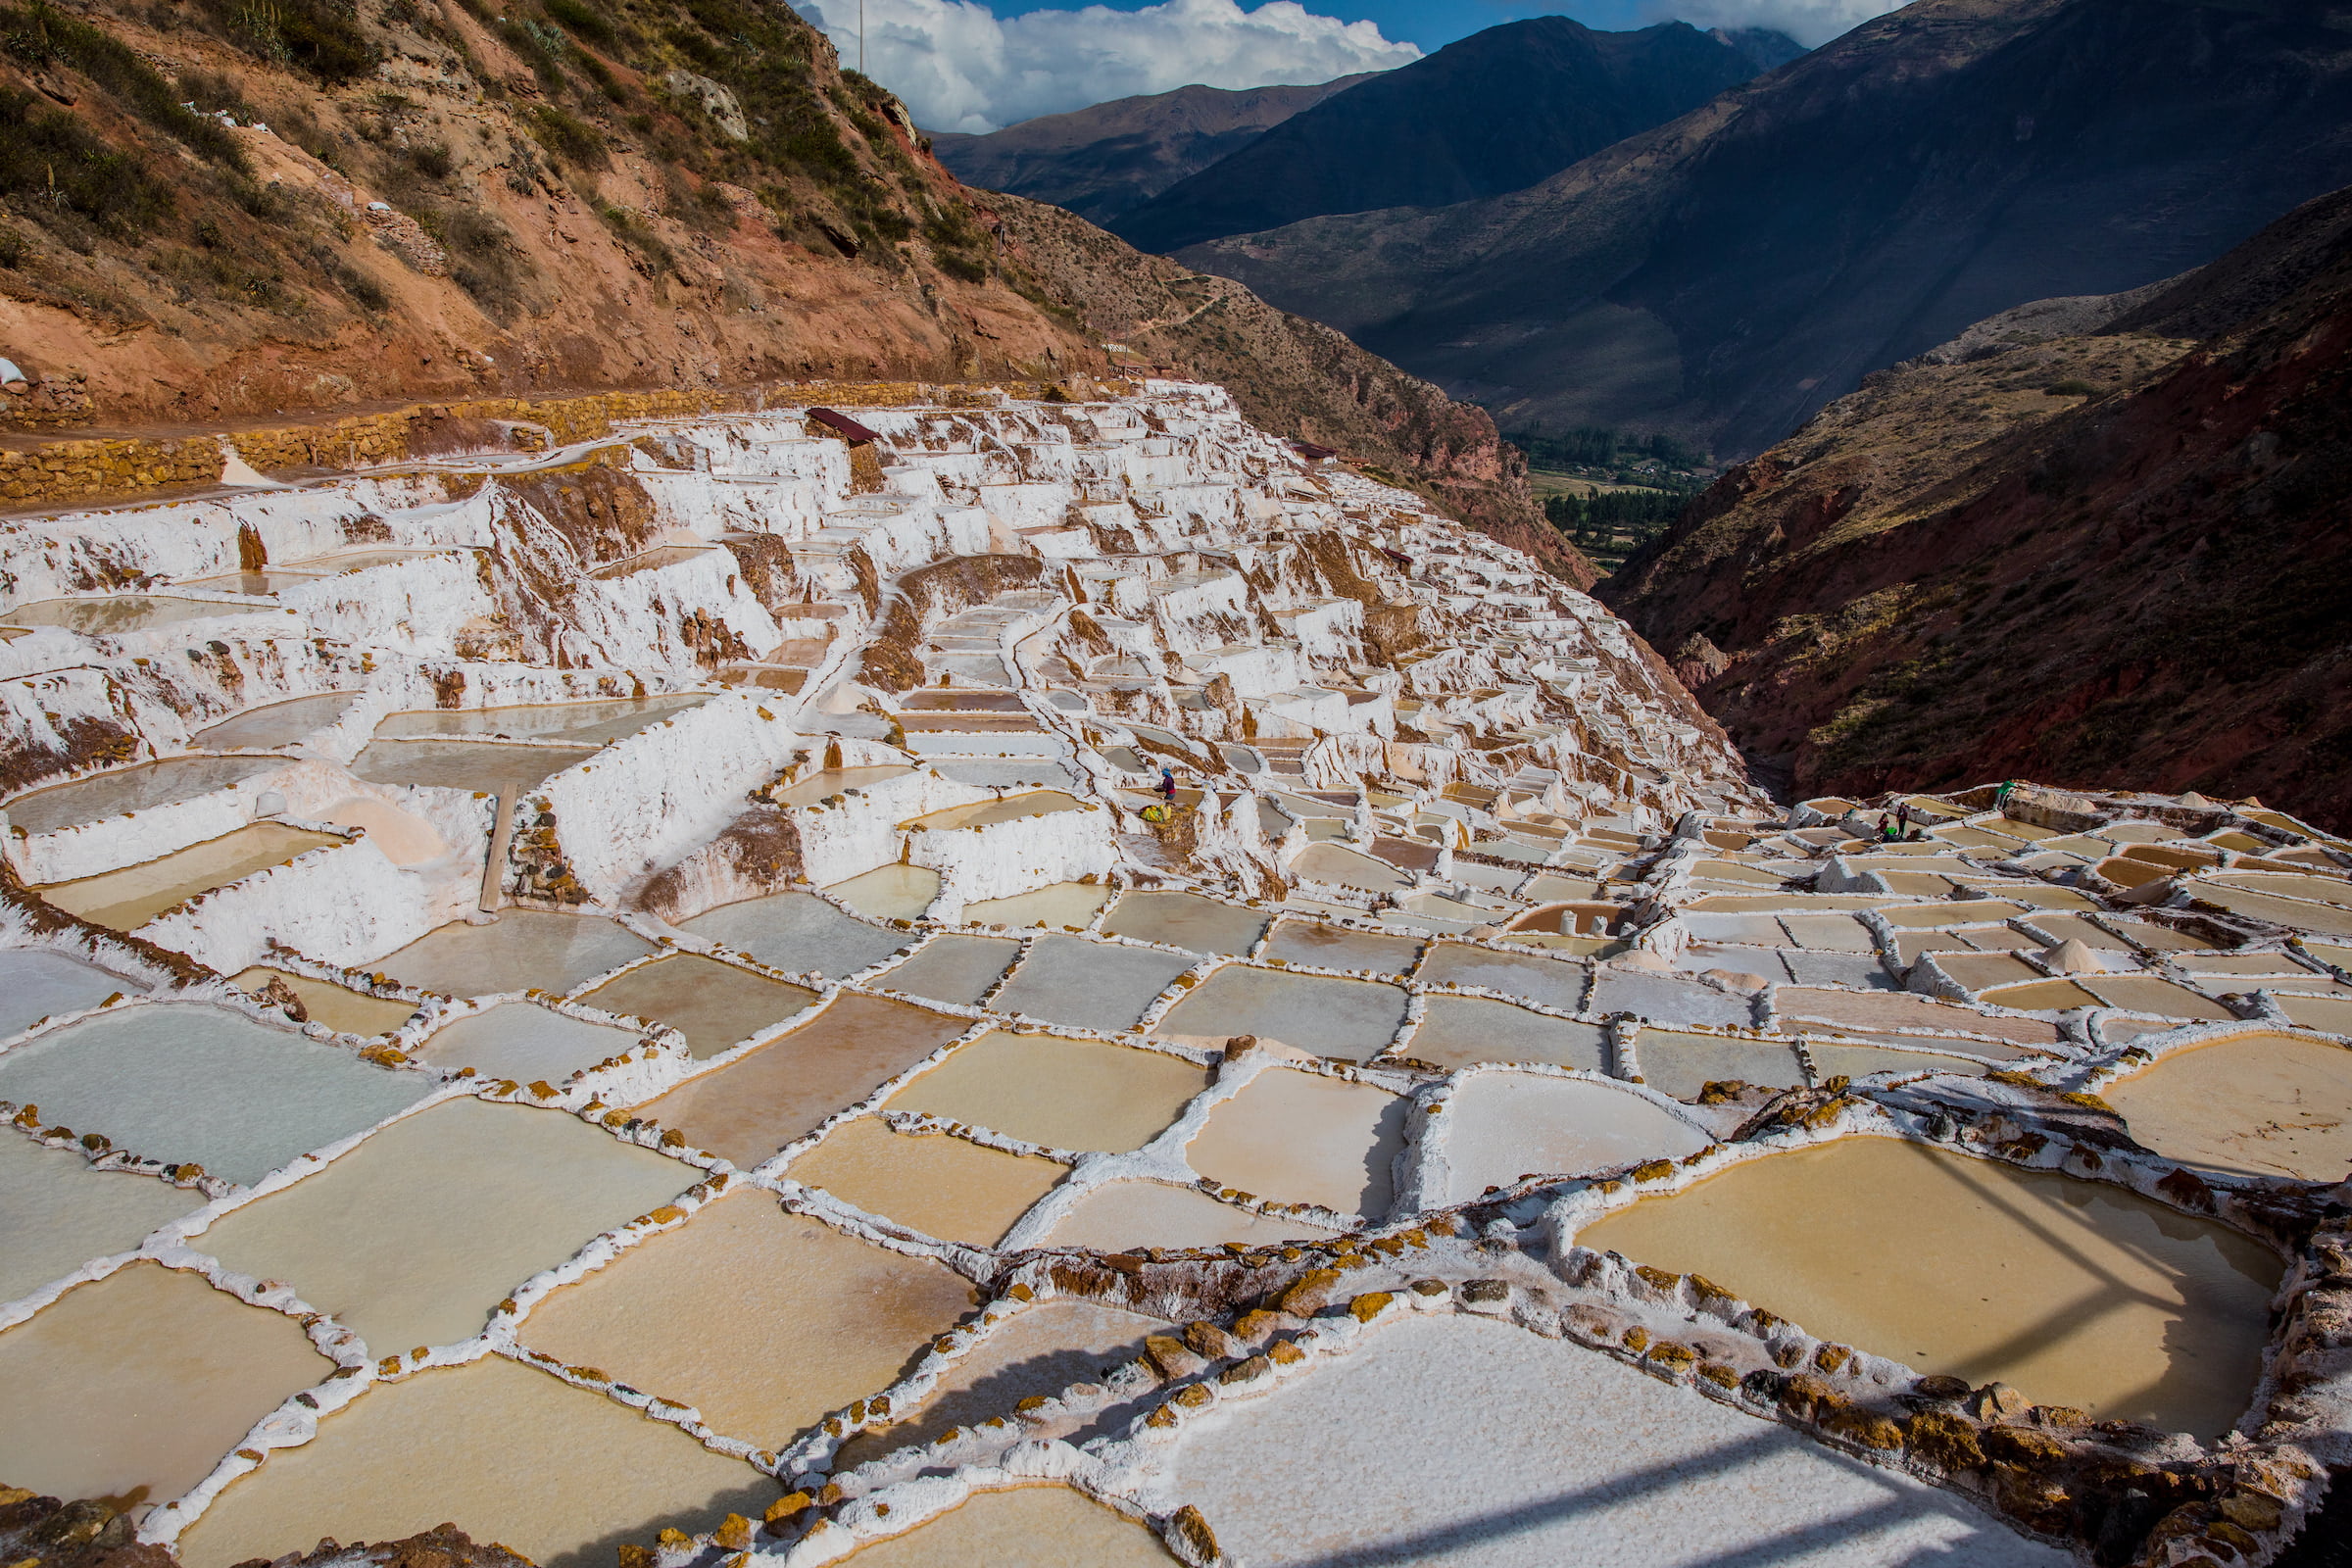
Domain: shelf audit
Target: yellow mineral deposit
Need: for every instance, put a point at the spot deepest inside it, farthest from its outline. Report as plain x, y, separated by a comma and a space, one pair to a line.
713, 1005
939, 1185
137, 894
2078, 1293
337, 1006
1063, 904
1300, 1139
1018, 1526
1061, 1092
890, 892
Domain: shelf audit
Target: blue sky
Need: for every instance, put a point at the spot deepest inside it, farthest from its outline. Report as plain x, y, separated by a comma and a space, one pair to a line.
978, 65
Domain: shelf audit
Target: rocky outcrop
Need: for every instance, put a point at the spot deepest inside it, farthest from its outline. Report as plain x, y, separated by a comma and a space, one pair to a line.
2075, 558
1725, 275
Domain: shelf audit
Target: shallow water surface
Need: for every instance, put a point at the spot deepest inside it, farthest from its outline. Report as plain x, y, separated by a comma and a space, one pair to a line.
133, 789
1120, 1215
782, 1091
939, 1185
1186, 920
143, 1382
589, 724
57, 1213
800, 933
1502, 1126
125, 900
1457, 1031
825, 1317
1065, 1094
120, 614
2255, 1104
1552, 982
1091, 984
953, 968
1063, 904
36, 985
185, 1082
1302, 1139
525, 1041
558, 1474
1354, 1020
464, 764
890, 892
400, 1238
1332, 947
331, 1005
713, 1005
2077, 1292
1019, 1526
1681, 1065
520, 948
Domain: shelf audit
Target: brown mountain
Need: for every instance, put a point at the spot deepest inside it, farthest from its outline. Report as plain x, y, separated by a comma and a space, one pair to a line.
1489, 113
1725, 275
1111, 158
2112, 555
448, 200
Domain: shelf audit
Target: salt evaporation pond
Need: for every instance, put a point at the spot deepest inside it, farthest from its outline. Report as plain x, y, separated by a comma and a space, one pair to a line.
276, 725
523, 1042
129, 897
1185, 920
799, 933
1334, 946
589, 724
564, 1472
890, 892
1303, 1139
1461, 1031
395, 1239
1065, 1094
2253, 1104
1500, 1127
483, 765
1619, 1468
957, 970
713, 1005
751, 1107
142, 1380
1118, 1216
1547, 982
181, 1081
117, 613
1681, 1064
337, 1006
1354, 1019
57, 1213
521, 949
1063, 904
1064, 980
46, 985
1016, 1525
826, 1318
2077, 1292
938, 1185
144, 788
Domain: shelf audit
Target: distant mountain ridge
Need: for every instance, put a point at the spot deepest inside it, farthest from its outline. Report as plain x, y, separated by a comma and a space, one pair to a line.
1491, 113
1723, 276
1111, 158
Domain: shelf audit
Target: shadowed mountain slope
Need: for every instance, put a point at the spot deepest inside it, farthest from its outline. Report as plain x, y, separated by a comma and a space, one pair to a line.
2088, 557
1492, 113
1725, 275
1111, 158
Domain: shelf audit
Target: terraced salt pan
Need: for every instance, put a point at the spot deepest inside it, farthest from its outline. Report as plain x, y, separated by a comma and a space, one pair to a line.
1302, 1139
1186, 920
589, 724
2331, 1013
1619, 1469
43, 985
464, 764
1091, 984
2253, 1104
953, 968
125, 900
785, 1090
834, 781
133, 789
1462, 1031
1120, 1215
520, 948
116, 613
1063, 1094
337, 1006
2077, 1293
523, 1042
1042, 1349
1062, 903
57, 1213
1502, 1126
713, 1005
1354, 1019
1681, 1065
395, 1240
276, 725
1330, 862
131, 1388
1551, 981
1833, 1060
185, 1082
799, 933
556, 1473
939, 1185
1665, 999
890, 892
1004, 809
1333, 947
2139, 993
1879, 1012
764, 1321
1020, 1526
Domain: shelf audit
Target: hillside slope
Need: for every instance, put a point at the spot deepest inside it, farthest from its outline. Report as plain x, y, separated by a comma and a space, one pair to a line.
2085, 559
1725, 275
1491, 113
442, 203
1109, 159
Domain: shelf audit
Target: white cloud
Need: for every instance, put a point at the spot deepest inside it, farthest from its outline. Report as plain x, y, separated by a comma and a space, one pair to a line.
960, 67
1811, 23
